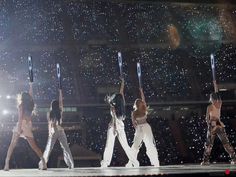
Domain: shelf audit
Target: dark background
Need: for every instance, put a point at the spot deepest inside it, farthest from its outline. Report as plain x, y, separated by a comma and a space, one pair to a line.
173, 41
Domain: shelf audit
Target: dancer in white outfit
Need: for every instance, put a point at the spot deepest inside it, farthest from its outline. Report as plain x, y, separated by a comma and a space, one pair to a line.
56, 132
143, 131
116, 128
24, 127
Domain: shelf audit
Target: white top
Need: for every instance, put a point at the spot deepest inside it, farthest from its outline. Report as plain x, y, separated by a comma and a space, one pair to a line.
141, 120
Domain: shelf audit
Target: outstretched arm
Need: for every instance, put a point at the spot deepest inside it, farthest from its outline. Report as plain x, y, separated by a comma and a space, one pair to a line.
142, 95
207, 116
216, 89
122, 86
61, 99
31, 89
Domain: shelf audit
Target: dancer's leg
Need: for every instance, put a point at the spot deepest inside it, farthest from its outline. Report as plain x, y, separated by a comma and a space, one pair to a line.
137, 143
12, 146
107, 155
124, 143
38, 151
50, 143
66, 149
208, 146
225, 141
150, 145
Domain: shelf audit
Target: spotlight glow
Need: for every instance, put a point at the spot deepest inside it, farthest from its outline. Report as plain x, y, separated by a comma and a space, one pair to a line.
8, 97
5, 112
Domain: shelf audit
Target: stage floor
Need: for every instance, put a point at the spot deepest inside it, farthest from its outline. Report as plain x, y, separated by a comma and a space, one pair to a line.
122, 171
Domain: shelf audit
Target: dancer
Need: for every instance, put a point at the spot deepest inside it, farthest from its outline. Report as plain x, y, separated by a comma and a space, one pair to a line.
55, 131
24, 127
216, 127
143, 131
116, 128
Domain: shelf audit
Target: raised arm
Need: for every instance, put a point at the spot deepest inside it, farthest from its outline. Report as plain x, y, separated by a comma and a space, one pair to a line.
142, 95
61, 100
31, 89
216, 89
122, 86
207, 116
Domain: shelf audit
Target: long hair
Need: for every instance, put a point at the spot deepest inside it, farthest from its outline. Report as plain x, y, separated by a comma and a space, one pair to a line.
136, 103
55, 111
214, 96
26, 101
118, 102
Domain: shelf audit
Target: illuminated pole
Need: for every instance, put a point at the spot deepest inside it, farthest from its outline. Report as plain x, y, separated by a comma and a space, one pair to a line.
120, 64
213, 67
30, 65
59, 76
139, 74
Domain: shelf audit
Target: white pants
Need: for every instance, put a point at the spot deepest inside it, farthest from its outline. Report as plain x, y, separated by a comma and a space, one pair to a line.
111, 135
143, 133
61, 136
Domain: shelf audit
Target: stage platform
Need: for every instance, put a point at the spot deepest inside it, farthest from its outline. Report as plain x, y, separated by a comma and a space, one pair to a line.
172, 170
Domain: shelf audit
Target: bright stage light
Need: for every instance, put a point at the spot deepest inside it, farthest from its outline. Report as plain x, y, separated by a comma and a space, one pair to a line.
5, 112
8, 97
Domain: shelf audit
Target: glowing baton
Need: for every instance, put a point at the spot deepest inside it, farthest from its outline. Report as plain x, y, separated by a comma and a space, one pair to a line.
30, 65
59, 75
120, 64
213, 67
139, 74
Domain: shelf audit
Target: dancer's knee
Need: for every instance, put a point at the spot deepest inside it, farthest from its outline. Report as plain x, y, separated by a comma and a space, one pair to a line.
208, 147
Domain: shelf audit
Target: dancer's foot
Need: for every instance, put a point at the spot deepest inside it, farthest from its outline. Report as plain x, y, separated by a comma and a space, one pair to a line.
71, 166
42, 164
6, 167
233, 162
129, 165
103, 165
135, 164
157, 165
204, 163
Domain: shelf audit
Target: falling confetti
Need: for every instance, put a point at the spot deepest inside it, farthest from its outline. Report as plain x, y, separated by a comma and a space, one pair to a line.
172, 41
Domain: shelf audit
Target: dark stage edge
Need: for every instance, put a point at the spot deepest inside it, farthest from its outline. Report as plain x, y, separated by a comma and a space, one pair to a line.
170, 170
